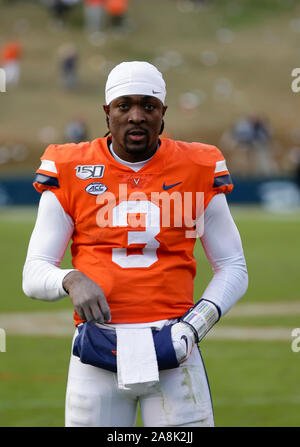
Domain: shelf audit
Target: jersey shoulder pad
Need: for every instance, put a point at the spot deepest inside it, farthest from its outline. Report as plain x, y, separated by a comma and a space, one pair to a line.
52, 161
211, 157
205, 154
64, 153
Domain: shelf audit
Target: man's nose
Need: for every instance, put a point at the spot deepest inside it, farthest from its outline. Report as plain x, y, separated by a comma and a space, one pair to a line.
136, 115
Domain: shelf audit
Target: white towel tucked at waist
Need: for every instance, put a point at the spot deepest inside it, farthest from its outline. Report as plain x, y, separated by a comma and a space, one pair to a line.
136, 357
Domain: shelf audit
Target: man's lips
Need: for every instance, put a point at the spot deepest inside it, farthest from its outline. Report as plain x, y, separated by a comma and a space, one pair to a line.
137, 135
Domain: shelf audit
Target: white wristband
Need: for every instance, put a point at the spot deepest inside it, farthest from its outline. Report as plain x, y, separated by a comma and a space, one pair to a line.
201, 318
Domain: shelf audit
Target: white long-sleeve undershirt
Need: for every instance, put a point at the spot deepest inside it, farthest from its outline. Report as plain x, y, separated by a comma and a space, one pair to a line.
223, 247
42, 277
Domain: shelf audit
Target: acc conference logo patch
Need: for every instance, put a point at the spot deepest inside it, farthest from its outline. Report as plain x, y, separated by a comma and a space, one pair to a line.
85, 172
96, 188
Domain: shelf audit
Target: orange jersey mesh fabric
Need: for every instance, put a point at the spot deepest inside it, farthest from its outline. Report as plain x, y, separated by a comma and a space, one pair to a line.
122, 237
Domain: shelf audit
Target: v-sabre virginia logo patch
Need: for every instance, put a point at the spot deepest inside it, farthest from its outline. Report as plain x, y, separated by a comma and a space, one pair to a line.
96, 188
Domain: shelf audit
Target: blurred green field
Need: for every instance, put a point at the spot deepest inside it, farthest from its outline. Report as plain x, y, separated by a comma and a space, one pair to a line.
253, 382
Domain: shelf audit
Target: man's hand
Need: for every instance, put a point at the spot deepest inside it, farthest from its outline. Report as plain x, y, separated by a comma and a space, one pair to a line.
183, 339
87, 297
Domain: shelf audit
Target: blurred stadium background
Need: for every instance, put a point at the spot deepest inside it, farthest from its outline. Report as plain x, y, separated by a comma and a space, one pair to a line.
228, 68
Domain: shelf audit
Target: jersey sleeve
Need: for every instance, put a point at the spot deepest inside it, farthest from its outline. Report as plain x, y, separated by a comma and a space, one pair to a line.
49, 174
222, 182
220, 179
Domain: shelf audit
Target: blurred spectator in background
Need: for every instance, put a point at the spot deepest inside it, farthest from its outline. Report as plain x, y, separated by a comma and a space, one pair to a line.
61, 8
293, 158
76, 131
251, 140
93, 15
10, 60
117, 11
68, 62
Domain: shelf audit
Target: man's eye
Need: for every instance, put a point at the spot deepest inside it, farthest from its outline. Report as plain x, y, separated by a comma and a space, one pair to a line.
149, 107
123, 106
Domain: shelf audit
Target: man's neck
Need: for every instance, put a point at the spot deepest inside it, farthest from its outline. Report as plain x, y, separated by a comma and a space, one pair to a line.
132, 157
135, 166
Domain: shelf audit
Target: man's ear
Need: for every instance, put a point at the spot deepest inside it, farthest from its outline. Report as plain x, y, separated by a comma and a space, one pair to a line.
106, 109
164, 110
162, 127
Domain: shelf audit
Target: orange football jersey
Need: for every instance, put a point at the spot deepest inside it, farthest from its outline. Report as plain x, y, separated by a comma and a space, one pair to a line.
134, 231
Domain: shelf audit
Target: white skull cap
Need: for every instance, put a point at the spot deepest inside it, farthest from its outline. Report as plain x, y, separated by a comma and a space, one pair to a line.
135, 78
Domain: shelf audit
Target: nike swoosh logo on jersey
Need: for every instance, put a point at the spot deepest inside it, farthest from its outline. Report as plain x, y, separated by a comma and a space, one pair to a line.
166, 187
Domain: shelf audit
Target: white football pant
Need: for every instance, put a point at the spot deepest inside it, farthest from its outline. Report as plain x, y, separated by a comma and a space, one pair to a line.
181, 398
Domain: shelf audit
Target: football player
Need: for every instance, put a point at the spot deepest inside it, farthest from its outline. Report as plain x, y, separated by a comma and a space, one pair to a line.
133, 204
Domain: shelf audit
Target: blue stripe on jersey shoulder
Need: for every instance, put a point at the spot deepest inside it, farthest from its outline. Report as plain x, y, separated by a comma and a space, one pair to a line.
46, 180
222, 180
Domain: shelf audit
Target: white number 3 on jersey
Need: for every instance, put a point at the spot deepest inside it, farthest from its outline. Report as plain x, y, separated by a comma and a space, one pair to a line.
152, 228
